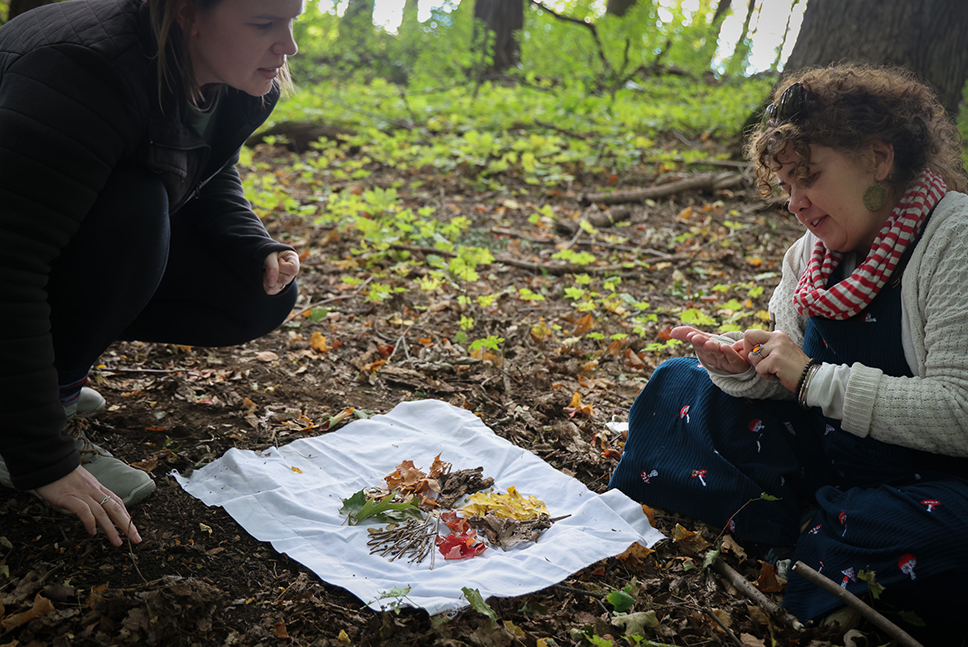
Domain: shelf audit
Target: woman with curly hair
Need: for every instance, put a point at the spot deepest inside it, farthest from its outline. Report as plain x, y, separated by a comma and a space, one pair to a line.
123, 216
852, 414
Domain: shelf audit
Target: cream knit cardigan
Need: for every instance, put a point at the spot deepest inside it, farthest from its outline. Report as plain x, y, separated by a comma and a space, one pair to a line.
928, 412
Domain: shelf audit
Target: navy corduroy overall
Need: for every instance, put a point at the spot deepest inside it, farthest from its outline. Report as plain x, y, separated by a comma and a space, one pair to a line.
850, 505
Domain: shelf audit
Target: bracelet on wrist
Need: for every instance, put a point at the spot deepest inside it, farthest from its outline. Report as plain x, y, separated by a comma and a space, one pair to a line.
805, 379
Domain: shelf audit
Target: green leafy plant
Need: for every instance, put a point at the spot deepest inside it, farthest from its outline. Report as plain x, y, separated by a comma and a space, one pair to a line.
478, 604
358, 508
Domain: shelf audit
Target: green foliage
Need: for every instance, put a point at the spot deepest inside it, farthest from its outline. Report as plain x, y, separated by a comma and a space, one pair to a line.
397, 595
620, 600
358, 508
478, 604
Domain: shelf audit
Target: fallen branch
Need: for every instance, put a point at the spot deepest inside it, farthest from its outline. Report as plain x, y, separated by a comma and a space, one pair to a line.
743, 586
704, 182
538, 268
833, 588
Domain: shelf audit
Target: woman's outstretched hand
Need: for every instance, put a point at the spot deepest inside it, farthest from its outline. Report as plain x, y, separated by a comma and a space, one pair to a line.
722, 358
280, 269
774, 355
80, 493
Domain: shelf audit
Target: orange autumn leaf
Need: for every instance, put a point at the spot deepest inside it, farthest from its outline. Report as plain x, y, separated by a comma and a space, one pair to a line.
635, 551
649, 514
485, 356
633, 360
335, 420
42, 606
584, 324
439, 467
577, 407
409, 479
768, 582
279, 630
146, 465
614, 349
385, 350
372, 368
318, 343
426, 341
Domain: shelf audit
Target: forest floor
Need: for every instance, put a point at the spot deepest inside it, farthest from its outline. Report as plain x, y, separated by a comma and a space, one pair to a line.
199, 579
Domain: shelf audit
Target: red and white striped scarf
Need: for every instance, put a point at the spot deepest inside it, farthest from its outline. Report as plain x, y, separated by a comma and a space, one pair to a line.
851, 295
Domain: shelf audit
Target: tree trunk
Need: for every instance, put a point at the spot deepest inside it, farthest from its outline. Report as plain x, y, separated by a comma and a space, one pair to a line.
925, 36
503, 18
741, 53
618, 7
356, 29
18, 7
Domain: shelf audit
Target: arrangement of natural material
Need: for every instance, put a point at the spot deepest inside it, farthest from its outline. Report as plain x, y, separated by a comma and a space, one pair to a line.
415, 503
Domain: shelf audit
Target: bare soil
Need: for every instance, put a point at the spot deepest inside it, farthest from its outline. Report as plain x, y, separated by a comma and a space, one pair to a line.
199, 579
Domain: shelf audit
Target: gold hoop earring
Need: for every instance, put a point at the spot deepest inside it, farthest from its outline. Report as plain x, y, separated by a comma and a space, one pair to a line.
875, 197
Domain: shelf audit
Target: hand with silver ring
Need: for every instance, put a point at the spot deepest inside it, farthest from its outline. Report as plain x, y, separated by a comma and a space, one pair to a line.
105, 499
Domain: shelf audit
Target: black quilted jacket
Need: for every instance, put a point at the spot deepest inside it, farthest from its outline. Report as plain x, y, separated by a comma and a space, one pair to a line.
78, 97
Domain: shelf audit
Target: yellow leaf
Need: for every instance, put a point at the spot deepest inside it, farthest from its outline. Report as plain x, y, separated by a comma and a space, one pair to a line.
512, 505
343, 637
205, 528
318, 343
691, 542
577, 407
540, 331
763, 315
636, 551
296, 470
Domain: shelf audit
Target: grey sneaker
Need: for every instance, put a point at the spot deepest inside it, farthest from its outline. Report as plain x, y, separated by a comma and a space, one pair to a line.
129, 483
88, 404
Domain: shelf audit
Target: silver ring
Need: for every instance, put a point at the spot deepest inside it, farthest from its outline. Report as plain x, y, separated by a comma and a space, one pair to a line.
105, 499
757, 350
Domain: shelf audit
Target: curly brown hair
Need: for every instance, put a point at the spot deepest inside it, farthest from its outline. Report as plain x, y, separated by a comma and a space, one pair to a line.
848, 107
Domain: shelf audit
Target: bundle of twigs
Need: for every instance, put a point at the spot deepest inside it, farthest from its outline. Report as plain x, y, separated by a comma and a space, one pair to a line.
415, 538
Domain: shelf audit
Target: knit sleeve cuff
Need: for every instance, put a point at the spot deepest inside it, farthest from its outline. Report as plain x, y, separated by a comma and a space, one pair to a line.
859, 399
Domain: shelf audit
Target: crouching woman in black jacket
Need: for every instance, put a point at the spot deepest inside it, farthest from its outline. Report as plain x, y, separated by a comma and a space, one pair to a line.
122, 215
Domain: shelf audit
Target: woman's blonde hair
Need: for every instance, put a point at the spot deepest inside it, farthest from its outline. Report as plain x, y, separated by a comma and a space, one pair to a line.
173, 62
848, 107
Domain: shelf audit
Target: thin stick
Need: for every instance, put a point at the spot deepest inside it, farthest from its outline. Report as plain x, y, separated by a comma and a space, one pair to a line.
726, 630
883, 624
755, 595
142, 370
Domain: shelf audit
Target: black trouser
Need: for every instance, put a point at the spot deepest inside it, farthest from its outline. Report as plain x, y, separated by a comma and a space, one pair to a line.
134, 272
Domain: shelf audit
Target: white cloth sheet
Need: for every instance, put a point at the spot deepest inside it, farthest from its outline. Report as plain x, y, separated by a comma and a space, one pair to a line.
298, 512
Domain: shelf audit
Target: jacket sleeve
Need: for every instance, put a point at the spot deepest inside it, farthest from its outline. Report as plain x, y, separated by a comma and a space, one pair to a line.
67, 117
225, 218
784, 313
928, 412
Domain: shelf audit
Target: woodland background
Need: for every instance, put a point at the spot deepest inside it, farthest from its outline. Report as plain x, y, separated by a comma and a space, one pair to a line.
504, 204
